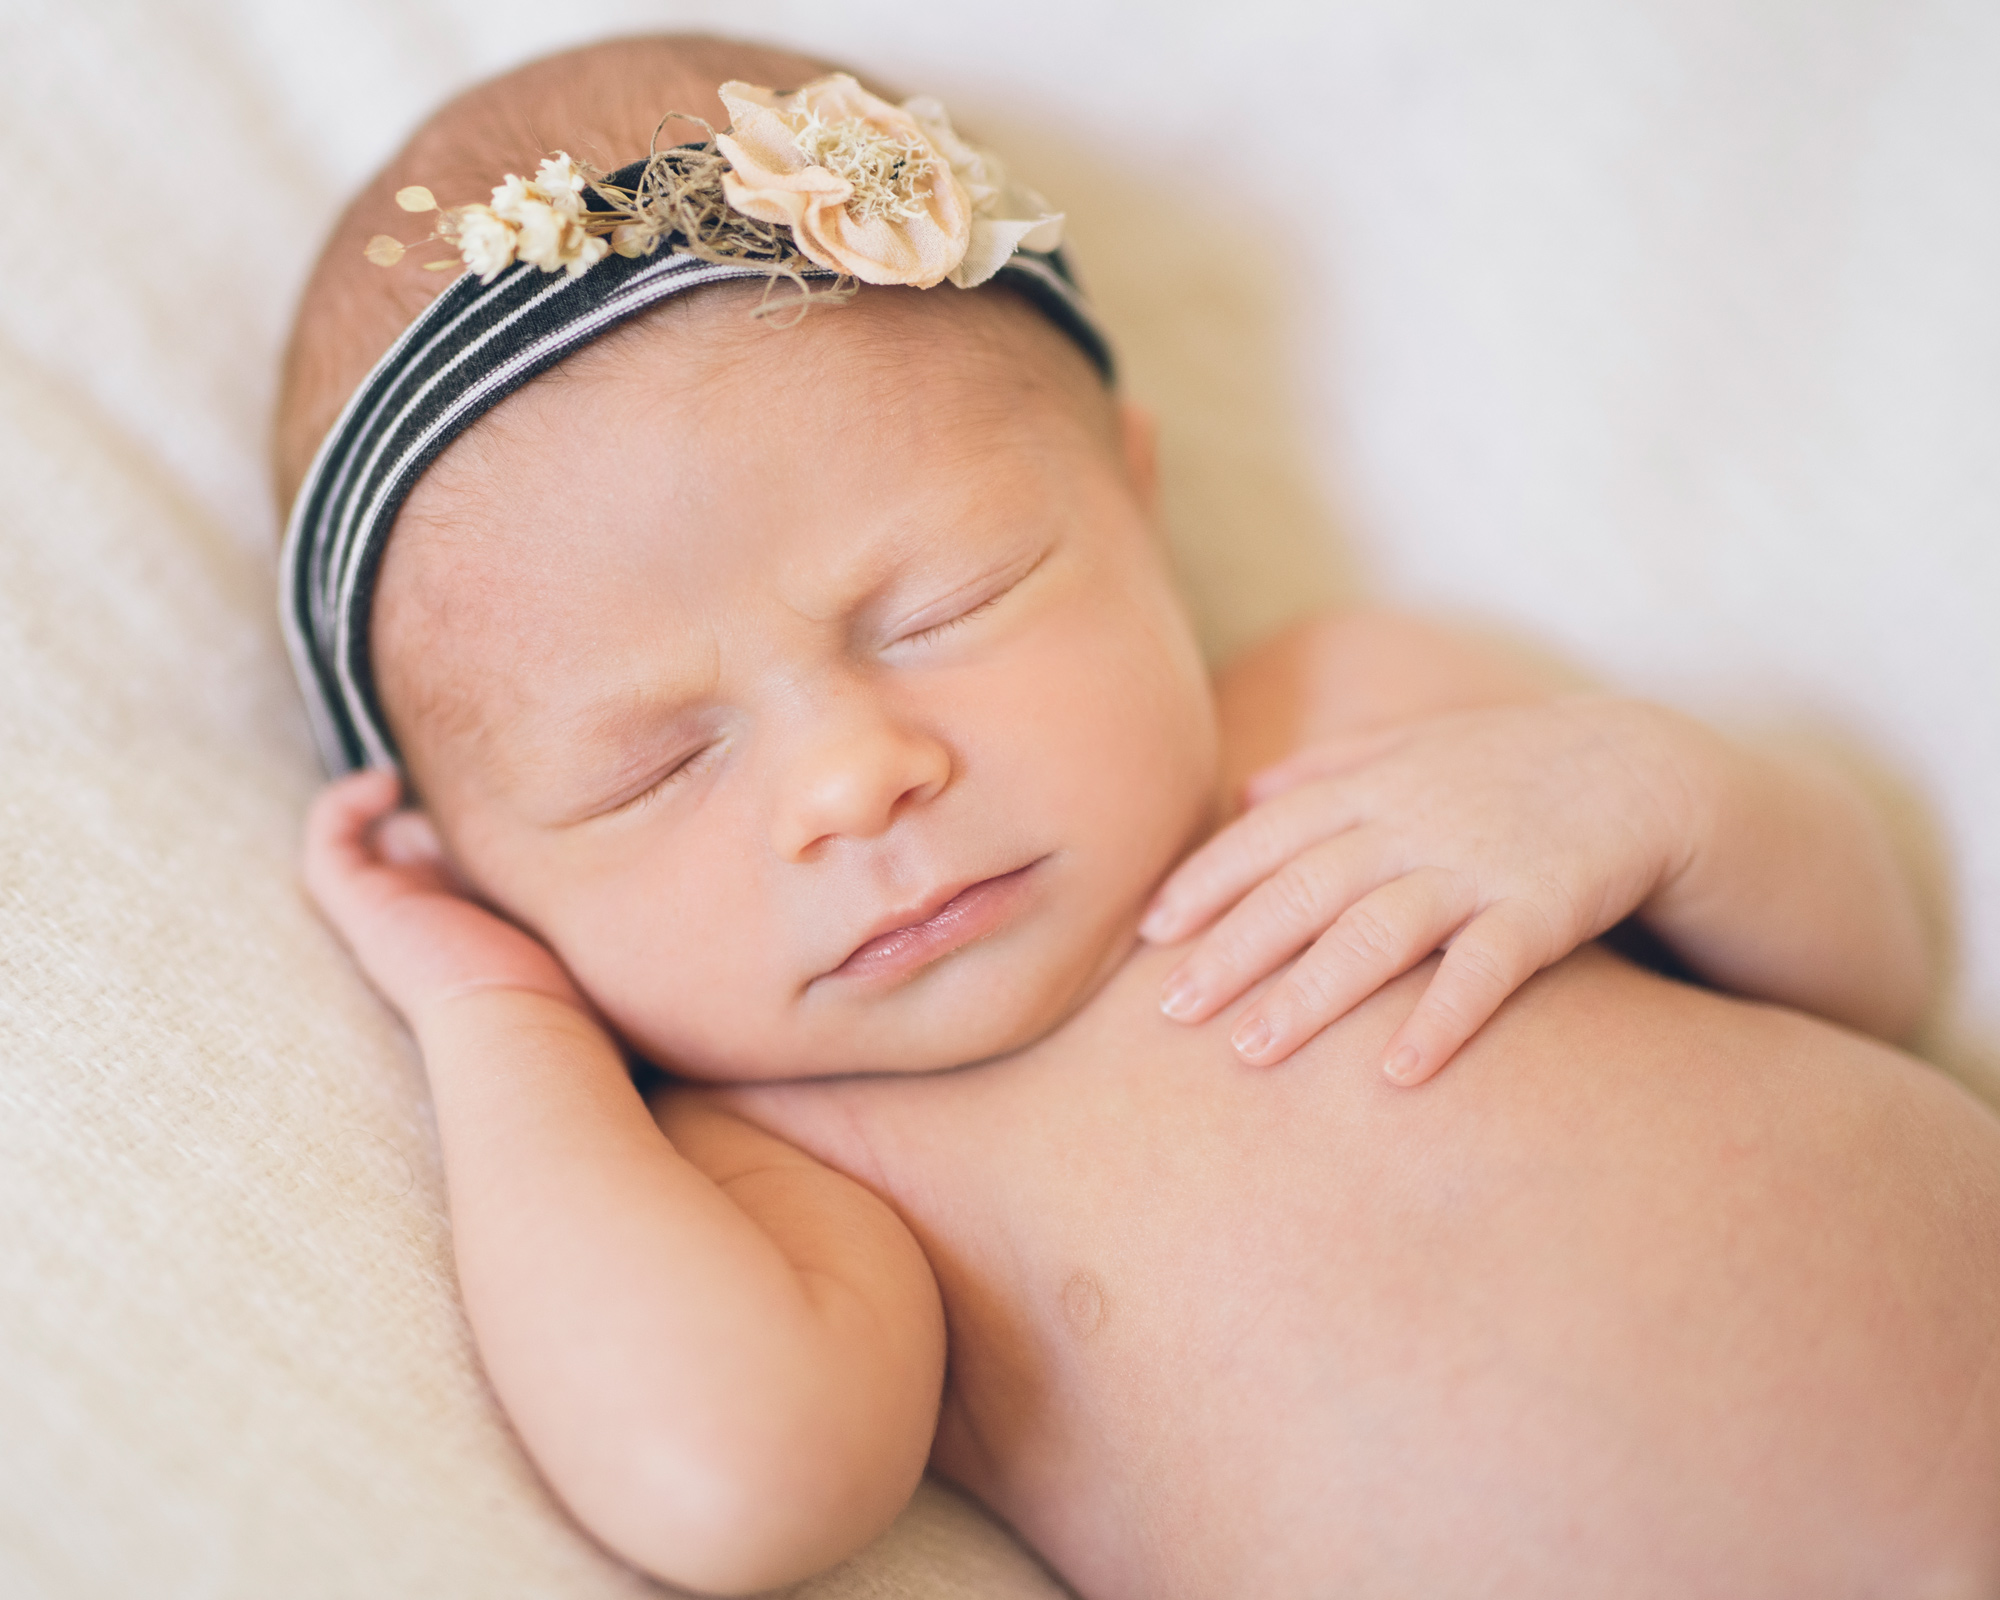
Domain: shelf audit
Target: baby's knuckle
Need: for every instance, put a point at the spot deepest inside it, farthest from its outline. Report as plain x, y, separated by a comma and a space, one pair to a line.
1479, 969
1537, 927
1367, 934
1237, 949
1449, 1011
1314, 989
1458, 885
1296, 896
1556, 902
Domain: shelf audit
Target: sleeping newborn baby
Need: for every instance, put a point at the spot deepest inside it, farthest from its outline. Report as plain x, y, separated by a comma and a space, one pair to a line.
1196, 1117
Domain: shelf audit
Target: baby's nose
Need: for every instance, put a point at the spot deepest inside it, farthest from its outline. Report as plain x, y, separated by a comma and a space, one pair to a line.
854, 774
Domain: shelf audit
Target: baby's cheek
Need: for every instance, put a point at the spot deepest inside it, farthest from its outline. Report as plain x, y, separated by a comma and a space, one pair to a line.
677, 980
632, 943
1132, 761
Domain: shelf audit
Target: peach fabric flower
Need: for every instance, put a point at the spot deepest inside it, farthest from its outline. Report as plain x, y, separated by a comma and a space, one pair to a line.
1006, 216
858, 181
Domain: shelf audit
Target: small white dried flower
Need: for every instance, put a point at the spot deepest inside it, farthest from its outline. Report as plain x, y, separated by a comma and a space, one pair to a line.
561, 182
539, 232
590, 249
547, 217
542, 221
510, 194
546, 238
485, 240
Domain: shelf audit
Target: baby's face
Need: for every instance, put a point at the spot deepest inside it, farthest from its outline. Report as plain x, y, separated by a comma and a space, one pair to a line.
818, 695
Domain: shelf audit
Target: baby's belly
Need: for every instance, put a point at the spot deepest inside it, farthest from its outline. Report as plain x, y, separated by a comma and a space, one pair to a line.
1649, 1292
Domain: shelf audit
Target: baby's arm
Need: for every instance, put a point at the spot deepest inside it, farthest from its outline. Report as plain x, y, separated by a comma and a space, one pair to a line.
1510, 834
724, 1356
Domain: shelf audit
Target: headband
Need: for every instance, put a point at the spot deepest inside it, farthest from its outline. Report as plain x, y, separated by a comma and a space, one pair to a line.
477, 343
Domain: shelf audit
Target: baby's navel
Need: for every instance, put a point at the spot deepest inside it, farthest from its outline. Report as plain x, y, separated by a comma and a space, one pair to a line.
1083, 1304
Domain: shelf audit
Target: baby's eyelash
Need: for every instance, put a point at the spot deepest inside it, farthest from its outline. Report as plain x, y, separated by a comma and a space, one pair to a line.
938, 629
661, 784
1009, 583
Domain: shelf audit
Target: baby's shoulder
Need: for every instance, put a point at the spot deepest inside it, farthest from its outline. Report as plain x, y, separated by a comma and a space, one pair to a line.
1350, 670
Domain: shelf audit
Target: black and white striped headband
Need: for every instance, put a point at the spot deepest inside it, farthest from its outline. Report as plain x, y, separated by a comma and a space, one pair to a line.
468, 350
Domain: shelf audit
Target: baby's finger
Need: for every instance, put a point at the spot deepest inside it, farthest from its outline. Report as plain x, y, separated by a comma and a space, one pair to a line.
1498, 951
338, 821
1274, 922
1247, 852
1377, 938
1327, 759
408, 839
361, 853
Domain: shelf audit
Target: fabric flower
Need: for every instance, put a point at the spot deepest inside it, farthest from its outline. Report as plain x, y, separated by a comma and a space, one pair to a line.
858, 181
1006, 216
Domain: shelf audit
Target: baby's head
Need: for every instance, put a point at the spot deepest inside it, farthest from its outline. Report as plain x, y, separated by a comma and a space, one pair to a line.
818, 692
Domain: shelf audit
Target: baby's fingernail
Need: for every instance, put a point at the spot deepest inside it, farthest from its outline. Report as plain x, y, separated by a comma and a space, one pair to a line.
1180, 999
1252, 1039
1402, 1066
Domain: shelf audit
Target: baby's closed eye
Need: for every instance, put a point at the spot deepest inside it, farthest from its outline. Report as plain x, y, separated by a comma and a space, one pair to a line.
937, 630
677, 770
978, 598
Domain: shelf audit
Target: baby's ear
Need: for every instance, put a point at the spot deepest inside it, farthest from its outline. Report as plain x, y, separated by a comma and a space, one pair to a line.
1139, 436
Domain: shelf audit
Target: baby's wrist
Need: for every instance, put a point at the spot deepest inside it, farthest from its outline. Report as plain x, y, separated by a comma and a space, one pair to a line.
479, 1003
1696, 775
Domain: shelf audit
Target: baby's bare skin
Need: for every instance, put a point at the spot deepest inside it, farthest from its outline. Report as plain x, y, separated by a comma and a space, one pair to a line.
1577, 1318
1646, 1287
727, 656
1221, 1329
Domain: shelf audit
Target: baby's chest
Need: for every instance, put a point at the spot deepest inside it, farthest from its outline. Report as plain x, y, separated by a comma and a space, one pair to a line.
1147, 1269
1089, 1198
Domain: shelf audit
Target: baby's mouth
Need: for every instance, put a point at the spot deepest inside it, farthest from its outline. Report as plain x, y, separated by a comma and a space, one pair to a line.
966, 915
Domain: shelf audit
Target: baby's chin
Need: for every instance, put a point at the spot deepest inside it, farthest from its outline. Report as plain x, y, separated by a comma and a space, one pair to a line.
986, 1000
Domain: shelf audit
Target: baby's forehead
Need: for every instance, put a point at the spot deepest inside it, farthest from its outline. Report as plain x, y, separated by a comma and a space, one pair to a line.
901, 383
868, 398
878, 438
972, 347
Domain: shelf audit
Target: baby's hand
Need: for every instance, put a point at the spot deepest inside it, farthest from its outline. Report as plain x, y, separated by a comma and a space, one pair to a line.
380, 877
1508, 837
